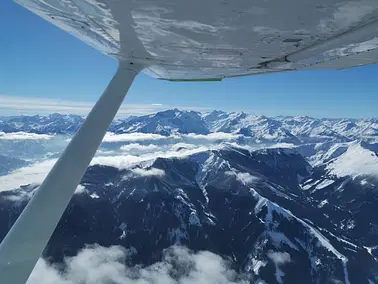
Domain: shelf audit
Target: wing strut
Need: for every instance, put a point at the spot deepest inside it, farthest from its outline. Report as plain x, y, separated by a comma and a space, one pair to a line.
25, 242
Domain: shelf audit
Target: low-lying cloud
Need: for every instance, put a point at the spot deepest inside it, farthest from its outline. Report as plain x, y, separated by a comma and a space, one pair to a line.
33, 174
132, 137
128, 161
213, 137
134, 148
96, 264
24, 136
17, 105
279, 258
139, 147
243, 177
148, 172
186, 138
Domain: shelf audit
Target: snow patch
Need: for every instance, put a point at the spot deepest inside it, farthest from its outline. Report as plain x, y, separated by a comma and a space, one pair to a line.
322, 203
356, 161
324, 183
94, 195
80, 189
257, 264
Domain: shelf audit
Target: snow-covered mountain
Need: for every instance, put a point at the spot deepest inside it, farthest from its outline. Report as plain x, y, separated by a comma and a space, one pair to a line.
163, 123
253, 207
297, 207
264, 129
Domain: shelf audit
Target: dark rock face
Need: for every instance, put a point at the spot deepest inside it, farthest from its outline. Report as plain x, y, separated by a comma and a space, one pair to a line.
247, 206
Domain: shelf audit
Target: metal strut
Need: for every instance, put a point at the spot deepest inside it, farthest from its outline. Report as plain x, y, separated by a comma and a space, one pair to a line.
25, 242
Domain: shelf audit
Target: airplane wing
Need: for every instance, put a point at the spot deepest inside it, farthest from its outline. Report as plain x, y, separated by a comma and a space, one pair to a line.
215, 39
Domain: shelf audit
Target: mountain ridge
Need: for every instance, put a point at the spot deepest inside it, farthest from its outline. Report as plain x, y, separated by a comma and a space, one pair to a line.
289, 129
234, 202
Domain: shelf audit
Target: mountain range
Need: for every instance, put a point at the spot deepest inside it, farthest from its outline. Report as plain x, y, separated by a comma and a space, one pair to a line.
295, 130
298, 209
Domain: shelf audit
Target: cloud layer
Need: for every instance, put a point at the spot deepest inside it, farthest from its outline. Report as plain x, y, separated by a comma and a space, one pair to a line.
24, 136
123, 151
148, 172
96, 264
15, 105
33, 174
132, 137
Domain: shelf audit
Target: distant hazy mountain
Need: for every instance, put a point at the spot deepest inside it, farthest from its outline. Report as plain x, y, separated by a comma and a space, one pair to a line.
51, 124
7, 164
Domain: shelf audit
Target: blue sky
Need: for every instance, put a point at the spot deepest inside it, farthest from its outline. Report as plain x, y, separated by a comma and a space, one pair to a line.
43, 68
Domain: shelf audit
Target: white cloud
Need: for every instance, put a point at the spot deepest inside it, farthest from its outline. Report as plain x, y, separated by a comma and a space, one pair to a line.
117, 161
132, 137
246, 177
101, 152
213, 136
20, 195
139, 147
243, 177
33, 174
279, 258
183, 146
16, 105
24, 136
148, 172
96, 264
282, 145
127, 161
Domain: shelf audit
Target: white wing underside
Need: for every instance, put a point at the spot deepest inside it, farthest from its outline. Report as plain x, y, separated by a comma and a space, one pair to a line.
215, 39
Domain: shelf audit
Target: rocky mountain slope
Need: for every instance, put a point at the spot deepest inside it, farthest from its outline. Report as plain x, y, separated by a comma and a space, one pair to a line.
253, 207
